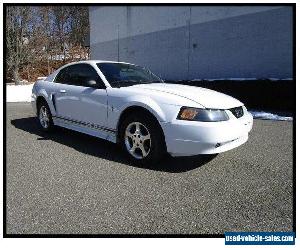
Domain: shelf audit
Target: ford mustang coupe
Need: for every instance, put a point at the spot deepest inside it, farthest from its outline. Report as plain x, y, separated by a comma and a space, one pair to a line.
129, 105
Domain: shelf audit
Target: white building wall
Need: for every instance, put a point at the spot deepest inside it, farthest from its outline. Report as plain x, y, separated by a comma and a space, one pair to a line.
182, 42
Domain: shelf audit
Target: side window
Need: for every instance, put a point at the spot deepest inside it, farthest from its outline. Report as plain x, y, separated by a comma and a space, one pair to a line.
62, 76
79, 75
72, 75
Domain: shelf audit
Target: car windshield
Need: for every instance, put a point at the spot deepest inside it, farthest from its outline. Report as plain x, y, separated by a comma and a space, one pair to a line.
122, 75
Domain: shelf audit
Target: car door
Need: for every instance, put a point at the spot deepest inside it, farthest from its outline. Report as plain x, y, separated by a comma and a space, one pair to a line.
81, 97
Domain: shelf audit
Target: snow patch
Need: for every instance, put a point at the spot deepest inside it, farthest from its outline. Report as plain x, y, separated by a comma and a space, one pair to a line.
18, 93
232, 79
238, 79
270, 116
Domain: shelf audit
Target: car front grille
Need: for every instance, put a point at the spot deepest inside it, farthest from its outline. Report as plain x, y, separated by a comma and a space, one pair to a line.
237, 112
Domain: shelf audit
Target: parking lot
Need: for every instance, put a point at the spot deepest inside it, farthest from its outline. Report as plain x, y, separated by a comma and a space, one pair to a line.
67, 182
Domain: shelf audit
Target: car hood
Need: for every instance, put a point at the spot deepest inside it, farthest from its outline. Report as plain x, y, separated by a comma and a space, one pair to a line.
205, 97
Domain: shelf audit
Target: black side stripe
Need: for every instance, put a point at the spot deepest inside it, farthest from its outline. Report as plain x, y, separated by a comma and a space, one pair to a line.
86, 124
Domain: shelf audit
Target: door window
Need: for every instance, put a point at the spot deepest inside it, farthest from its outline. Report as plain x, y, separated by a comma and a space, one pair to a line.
79, 75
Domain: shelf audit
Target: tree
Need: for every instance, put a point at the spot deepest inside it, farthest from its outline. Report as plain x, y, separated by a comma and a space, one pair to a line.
79, 24
17, 31
38, 36
62, 21
46, 32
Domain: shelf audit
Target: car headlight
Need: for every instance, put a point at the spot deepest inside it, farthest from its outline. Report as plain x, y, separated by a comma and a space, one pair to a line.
202, 115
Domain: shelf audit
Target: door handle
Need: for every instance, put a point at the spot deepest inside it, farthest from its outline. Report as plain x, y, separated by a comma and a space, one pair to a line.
62, 91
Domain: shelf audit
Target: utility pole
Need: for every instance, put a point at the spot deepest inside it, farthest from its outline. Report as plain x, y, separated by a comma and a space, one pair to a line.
118, 43
189, 43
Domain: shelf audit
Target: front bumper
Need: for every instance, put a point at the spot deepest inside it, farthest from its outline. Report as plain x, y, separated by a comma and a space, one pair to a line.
186, 138
33, 103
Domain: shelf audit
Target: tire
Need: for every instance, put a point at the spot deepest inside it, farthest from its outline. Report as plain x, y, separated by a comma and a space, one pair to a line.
149, 137
44, 116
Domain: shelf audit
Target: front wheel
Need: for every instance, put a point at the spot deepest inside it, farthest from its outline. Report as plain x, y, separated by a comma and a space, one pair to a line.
142, 138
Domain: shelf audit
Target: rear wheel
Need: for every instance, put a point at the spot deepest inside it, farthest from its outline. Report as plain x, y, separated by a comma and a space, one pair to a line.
142, 138
44, 116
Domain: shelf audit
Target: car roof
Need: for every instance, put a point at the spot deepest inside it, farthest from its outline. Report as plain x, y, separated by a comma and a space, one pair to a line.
51, 77
95, 61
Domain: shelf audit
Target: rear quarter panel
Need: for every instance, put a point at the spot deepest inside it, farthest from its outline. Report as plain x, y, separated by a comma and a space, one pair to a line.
46, 90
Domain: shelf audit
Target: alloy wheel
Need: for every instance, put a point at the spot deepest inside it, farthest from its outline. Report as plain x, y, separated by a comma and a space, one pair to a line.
137, 140
44, 117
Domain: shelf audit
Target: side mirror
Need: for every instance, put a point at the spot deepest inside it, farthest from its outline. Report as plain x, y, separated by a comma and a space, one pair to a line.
91, 83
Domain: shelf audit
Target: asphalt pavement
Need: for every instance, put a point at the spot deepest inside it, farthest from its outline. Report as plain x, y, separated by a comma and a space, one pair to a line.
70, 183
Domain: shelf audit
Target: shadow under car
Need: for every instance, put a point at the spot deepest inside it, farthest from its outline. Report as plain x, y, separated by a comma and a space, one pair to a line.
107, 150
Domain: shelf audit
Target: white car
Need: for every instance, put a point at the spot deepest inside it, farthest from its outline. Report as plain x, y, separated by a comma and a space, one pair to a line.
127, 104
